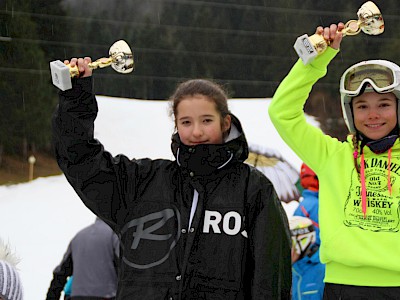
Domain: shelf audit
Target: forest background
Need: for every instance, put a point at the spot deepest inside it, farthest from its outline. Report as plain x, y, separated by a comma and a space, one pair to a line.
245, 45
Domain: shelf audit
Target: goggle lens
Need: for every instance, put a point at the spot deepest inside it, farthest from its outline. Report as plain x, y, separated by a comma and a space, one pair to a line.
380, 77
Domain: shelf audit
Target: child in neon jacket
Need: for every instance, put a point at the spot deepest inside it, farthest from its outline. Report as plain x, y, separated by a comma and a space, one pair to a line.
359, 245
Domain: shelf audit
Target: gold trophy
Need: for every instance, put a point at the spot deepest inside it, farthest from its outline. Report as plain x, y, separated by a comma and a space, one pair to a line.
370, 21
120, 59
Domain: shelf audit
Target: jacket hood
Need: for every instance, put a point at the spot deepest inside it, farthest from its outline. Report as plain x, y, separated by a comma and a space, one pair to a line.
206, 158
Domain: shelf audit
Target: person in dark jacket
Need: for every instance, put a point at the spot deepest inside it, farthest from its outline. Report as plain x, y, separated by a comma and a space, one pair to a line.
91, 258
203, 226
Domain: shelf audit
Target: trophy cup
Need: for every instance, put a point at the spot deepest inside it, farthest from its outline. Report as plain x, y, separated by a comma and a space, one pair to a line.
120, 59
370, 21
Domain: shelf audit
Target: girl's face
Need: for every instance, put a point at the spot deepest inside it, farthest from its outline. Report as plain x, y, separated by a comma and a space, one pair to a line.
375, 115
199, 122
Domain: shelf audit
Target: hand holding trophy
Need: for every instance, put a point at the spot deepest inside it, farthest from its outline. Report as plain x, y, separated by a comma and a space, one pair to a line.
370, 21
120, 59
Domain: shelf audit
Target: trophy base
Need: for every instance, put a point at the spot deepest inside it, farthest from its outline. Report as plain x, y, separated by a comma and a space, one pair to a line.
305, 49
60, 75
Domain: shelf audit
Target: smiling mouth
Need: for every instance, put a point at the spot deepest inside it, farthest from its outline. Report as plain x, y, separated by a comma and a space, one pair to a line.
374, 125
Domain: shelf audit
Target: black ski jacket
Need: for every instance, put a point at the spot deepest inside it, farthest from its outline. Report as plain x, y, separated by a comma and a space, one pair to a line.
238, 243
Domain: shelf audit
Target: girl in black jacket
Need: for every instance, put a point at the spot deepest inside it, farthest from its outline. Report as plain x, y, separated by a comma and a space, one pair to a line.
204, 226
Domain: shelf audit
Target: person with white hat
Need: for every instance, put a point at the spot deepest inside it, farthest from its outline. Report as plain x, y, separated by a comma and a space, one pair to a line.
10, 282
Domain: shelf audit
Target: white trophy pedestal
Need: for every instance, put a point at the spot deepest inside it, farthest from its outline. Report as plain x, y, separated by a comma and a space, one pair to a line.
305, 49
60, 75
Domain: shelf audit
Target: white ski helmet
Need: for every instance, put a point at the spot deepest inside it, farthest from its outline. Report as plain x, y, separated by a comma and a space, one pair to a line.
382, 76
303, 234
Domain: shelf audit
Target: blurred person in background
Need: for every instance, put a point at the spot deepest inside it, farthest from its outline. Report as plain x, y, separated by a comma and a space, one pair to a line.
308, 206
307, 270
91, 258
10, 281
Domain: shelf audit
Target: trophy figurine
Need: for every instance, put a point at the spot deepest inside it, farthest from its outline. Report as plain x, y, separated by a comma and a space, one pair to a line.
370, 21
120, 59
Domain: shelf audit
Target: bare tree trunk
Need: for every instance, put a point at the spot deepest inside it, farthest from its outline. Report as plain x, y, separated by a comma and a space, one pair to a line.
1, 155
24, 147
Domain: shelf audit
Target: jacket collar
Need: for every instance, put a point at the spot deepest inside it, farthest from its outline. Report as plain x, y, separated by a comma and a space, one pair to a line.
205, 159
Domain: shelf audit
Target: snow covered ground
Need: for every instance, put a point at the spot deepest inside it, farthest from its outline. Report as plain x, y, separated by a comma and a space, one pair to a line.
39, 218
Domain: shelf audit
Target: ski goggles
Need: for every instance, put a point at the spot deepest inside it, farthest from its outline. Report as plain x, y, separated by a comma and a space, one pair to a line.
301, 242
382, 79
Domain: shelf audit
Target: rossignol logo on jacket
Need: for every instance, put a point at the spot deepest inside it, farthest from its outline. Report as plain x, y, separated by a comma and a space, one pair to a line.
382, 211
157, 234
230, 223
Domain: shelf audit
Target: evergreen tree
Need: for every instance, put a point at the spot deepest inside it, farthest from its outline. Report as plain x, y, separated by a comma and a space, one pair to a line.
27, 100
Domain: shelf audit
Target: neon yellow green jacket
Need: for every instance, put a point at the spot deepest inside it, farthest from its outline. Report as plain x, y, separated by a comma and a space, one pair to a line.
356, 250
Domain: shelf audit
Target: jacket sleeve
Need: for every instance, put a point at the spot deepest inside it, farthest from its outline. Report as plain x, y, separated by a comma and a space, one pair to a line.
97, 177
60, 275
287, 115
269, 239
116, 256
